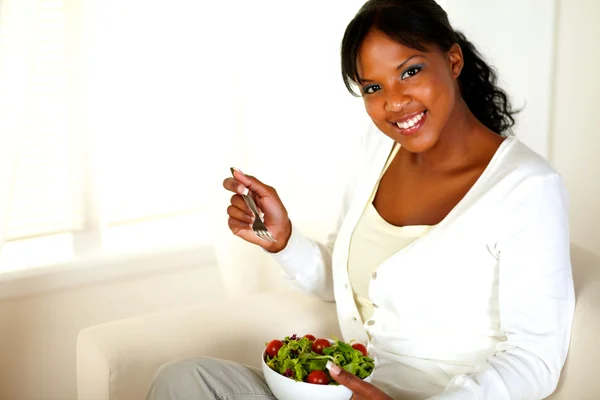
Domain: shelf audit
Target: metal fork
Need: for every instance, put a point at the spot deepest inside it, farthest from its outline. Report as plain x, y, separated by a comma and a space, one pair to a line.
258, 225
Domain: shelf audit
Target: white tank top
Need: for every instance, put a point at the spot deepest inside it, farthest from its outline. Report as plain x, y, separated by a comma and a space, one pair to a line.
373, 241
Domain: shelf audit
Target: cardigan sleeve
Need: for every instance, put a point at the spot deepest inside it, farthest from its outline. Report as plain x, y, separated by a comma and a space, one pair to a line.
306, 263
536, 298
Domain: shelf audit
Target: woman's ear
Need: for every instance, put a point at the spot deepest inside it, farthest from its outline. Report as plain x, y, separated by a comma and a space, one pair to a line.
455, 60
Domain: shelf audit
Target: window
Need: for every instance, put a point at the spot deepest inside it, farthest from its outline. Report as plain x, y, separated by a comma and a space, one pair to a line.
110, 149
42, 196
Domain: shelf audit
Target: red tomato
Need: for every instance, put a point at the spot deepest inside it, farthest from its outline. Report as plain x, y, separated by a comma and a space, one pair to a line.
360, 347
319, 344
318, 378
273, 347
310, 337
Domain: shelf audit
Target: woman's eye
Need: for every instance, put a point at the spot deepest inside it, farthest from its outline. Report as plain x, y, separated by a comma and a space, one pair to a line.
412, 71
371, 89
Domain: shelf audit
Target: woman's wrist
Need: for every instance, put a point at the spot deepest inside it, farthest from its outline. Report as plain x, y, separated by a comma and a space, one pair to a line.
282, 240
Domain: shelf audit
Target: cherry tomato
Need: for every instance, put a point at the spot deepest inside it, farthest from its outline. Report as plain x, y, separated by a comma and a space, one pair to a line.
360, 347
273, 347
318, 378
310, 337
319, 344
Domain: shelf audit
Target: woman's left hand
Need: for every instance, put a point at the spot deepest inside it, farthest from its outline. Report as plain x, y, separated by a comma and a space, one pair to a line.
362, 390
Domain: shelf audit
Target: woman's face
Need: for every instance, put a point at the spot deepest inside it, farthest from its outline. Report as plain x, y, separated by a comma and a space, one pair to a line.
409, 94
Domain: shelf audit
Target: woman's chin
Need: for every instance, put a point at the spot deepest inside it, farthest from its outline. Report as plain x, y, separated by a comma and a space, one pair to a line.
416, 144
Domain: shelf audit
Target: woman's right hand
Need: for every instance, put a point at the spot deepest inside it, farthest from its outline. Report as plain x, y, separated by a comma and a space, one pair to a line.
241, 217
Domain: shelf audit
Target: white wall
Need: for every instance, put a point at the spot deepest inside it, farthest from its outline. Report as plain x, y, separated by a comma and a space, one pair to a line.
575, 140
38, 334
517, 38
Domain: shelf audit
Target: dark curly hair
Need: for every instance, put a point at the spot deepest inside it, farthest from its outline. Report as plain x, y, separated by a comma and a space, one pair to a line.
417, 24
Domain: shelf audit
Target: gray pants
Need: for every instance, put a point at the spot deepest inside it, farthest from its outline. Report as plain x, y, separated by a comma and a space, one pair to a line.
206, 378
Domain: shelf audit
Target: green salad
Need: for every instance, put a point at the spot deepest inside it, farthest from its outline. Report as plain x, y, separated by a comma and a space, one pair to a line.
304, 359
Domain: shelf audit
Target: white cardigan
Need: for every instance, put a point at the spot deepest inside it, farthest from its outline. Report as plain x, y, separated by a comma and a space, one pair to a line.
505, 245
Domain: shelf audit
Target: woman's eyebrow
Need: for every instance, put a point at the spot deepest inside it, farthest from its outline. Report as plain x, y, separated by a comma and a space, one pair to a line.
361, 80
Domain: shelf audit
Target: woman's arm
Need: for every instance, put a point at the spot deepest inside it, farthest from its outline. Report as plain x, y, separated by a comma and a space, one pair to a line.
536, 299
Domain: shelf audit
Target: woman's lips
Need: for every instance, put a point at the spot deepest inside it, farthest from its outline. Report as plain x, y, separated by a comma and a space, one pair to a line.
411, 125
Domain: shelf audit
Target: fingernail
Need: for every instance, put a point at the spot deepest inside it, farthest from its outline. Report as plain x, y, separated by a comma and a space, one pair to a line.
333, 368
236, 169
245, 192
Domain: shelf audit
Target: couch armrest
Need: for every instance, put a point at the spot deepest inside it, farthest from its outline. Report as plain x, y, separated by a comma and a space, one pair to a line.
579, 378
117, 360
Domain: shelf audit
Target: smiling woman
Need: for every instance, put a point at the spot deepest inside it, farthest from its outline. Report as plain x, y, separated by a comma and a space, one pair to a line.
426, 87
451, 254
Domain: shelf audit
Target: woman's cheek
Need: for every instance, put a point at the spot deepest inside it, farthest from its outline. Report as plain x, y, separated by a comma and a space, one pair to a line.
424, 93
375, 109
436, 94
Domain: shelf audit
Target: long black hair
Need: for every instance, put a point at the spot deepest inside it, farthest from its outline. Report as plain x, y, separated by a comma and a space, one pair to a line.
416, 24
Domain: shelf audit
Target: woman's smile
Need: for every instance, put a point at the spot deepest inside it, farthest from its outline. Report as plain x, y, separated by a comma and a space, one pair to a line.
409, 124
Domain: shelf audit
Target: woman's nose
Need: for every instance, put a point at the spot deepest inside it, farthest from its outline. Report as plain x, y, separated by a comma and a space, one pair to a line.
396, 101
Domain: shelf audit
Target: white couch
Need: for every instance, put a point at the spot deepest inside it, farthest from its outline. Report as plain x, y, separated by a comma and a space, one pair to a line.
117, 360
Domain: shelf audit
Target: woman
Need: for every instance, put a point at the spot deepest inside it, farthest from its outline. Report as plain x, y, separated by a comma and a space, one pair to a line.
451, 258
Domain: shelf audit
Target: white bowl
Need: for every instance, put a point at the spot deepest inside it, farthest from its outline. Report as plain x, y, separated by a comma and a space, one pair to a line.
288, 389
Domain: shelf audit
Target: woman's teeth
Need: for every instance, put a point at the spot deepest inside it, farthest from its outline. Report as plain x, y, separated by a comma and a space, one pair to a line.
411, 122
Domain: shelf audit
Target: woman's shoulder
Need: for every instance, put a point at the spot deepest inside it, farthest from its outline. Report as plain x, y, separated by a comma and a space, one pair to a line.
519, 175
518, 161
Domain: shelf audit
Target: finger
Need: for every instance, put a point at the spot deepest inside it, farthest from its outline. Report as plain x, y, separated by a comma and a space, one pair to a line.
352, 382
240, 215
259, 204
235, 225
244, 231
238, 201
254, 184
233, 185
258, 201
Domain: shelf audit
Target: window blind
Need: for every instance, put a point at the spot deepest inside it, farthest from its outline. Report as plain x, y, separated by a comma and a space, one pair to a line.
45, 194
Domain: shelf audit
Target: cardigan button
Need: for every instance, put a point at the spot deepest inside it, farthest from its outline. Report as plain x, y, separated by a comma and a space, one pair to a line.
371, 323
374, 276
